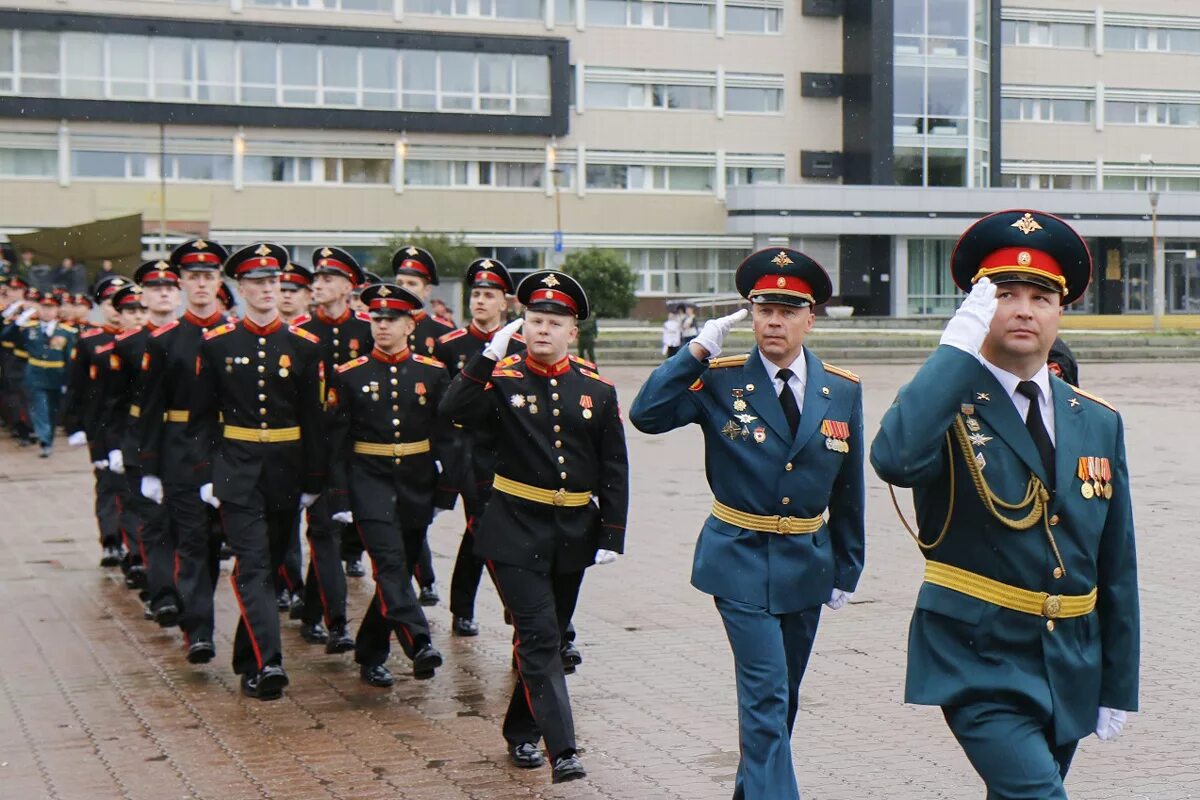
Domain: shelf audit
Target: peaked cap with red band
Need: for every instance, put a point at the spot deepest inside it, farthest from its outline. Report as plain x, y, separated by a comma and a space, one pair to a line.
295, 276
488, 273
389, 300
262, 260
225, 295
785, 276
336, 261
410, 260
1026, 246
109, 286
128, 296
156, 273
554, 292
199, 255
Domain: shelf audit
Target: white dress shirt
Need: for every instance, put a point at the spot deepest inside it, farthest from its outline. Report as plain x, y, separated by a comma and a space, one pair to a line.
795, 383
1045, 399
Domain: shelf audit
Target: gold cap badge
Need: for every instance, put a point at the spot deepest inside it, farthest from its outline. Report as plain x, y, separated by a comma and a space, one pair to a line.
550, 280
1027, 224
262, 250
781, 260
326, 252
1024, 259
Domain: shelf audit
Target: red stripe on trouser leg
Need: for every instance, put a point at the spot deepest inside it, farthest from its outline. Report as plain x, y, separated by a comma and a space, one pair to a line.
241, 606
312, 559
516, 639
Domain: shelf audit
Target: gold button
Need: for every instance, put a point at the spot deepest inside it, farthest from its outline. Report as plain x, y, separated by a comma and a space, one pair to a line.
391, 369
395, 408
394, 381
397, 460
395, 395
336, 342
261, 340
786, 501
787, 467
562, 460
1054, 520
1058, 573
261, 368
557, 428
262, 411
554, 381
261, 354
262, 397
204, 330
262, 383
562, 475
749, 387
554, 396
397, 434
1050, 625
335, 330
554, 412
395, 422
263, 426
558, 444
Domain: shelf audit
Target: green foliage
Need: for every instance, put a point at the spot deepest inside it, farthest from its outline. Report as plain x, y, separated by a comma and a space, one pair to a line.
606, 278
451, 253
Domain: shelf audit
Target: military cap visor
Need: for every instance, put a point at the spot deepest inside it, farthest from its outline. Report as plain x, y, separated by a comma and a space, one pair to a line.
128, 297
295, 277
387, 300
784, 276
108, 287
156, 273
553, 292
488, 273
336, 261
262, 260
415, 261
199, 255
1023, 246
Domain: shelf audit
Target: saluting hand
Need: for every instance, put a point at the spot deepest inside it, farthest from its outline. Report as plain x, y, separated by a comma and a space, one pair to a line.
497, 348
708, 343
969, 326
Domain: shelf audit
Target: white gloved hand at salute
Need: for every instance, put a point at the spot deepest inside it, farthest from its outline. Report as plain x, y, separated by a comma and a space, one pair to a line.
713, 334
969, 326
497, 348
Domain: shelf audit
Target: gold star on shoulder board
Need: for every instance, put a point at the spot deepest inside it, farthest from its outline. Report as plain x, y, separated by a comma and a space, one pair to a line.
550, 280
979, 440
262, 250
781, 260
983, 397
1027, 224
1073, 402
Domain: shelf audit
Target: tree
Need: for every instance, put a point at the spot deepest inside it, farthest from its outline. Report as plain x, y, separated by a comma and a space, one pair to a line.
606, 278
451, 253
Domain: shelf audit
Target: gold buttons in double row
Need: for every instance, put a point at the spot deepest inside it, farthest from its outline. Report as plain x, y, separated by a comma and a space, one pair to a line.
335, 330
395, 408
1050, 625
261, 368
788, 467
262, 383
262, 411
395, 395
395, 382
336, 342
786, 501
262, 397
262, 354
1054, 520
395, 422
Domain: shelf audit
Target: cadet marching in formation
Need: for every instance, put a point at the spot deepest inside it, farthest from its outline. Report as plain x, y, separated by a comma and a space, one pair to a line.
339, 398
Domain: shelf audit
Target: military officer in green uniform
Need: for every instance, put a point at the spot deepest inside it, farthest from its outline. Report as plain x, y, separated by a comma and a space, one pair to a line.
784, 458
1025, 630
50, 345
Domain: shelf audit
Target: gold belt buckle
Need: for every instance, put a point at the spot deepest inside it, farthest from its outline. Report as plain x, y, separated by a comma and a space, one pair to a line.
1052, 606
397, 450
264, 435
560, 497
784, 525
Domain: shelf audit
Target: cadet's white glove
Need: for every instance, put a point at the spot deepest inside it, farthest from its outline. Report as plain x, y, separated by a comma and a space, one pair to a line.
12, 310
969, 326
116, 462
206, 494
307, 499
152, 488
1109, 723
27, 315
101, 464
344, 517
839, 599
712, 335
605, 556
497, 348
77, 439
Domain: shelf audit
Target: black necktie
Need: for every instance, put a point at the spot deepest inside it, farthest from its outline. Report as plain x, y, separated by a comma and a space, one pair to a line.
1037, 429
787, 399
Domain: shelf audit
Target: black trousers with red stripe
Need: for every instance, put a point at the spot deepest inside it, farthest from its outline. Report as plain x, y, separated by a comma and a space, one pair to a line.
325, 585
258, 535
394, 608
157, 538
291, 573
108, 515
198, 558
541, 607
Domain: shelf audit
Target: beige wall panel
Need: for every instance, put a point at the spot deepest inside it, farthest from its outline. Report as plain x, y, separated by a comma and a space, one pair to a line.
1120, 143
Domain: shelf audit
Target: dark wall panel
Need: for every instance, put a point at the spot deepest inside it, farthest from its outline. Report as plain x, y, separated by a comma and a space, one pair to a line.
867, 96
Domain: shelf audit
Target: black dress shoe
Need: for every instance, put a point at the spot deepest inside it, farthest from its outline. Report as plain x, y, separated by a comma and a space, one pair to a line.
354, 569
284, 600
465, 626
526, 755
571, 657
267, 684
340, 640
425, 662
378, 675
429, 595
135, 577
568, 768
297, 606
167, 614
201, 651
110, 556
315, 633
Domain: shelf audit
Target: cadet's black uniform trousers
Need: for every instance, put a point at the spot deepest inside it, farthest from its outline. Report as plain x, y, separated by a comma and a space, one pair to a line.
394, 607
325, 586
198, 548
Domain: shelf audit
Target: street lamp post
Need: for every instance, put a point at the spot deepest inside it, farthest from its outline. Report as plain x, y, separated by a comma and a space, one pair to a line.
1159, 285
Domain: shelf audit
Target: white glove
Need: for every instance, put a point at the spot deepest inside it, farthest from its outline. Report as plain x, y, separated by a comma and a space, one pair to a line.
1109, 723
307, 499
839, 599
26, 315
116, 462
101, 464
605, 556
152, 488
77, 439
969, 326
344, 517
12, 310
712, 335
206, 494
497, 348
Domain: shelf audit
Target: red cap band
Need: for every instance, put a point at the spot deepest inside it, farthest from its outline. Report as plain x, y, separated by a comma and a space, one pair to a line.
416, 266
782, 284
1022, 260
553, 296
294, 277
257, 263
160, 275
200, 258
490, 277
380, 303
340, 266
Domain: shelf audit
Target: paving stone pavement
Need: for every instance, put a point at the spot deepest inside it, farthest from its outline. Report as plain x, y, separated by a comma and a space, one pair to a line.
95, 702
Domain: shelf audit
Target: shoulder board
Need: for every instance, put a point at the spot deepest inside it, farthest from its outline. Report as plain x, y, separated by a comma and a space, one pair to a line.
104, 348
125, 335
301, 320
90, 332
30, 324
68, 328
844, 373
583, 362
517, 337
452, 335
507, 373
427, 361
303, 334
509, 361
697, 385
1093, 398
220, 330
164, 328
362, 316
595, 376
449, 323
349, 365
728, 361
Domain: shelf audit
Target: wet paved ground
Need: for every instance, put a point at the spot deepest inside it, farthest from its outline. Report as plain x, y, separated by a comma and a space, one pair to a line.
97, 703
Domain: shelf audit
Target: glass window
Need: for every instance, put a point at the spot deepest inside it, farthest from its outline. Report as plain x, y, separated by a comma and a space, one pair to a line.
931, 287
947, 93
441, 7
495, 82
6, 53
367, 170
949, 17
339, 76
1071, 110
1120, 37
947, 167
420, 80
747, 176
533, 84
258, 72
908, 166
564, 12
458, 80
17, 163
690, 179
615, 95
1183, 115
746, 19
692, 98
378, 78
201, 167
519, 9
426, 173
607, 176
1125, 113
85, 64
910, 90
216, 71
1064, 34
910, 17
129, 66
607, 12
298, 68
172, 69
690, 16
1181, 41
744, 100
513, 174
39, 63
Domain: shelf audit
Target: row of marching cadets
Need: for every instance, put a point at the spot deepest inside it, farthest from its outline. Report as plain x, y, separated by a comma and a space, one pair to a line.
207, 431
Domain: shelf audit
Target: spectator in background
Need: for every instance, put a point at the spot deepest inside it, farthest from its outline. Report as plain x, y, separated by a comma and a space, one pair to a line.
106, 270
588, 333
672, 333
1062, 362
70, 276
38, 275
438, 308
687, 324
